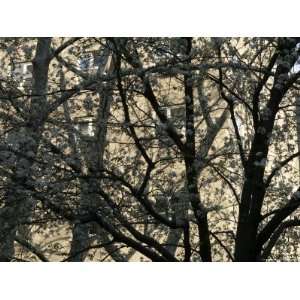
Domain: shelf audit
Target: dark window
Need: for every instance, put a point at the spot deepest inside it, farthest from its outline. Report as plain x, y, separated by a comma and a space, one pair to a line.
85, 126
90, 61
30, 68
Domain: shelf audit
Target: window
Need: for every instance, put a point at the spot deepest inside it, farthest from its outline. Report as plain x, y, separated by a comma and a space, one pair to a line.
22, 72
86, 62
178, 117
29, 69
85, 126
90, 61
162, 203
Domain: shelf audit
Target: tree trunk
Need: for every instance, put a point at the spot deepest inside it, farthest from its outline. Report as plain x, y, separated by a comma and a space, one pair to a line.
93, 153
18, 203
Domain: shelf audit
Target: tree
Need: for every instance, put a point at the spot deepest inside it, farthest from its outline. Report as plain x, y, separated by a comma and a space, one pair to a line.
162, 149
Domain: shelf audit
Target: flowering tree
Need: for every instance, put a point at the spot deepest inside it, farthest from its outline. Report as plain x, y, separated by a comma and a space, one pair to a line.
162, 149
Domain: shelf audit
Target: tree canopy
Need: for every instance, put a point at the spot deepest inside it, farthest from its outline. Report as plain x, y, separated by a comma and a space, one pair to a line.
151, 149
